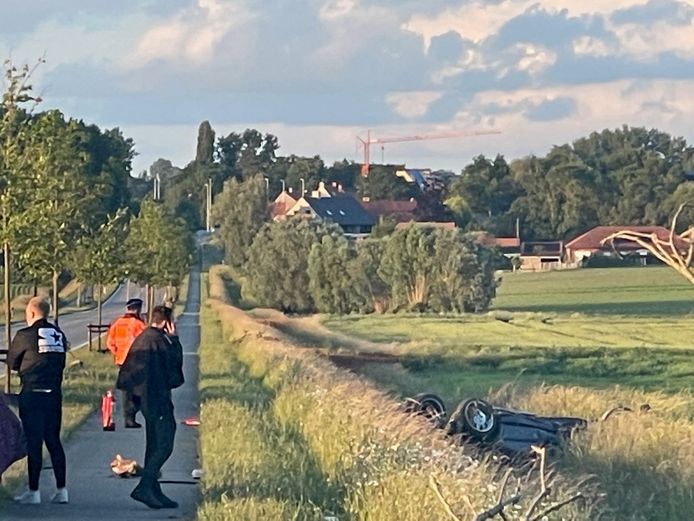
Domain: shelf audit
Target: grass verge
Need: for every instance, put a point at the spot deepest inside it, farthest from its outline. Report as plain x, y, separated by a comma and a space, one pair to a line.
287, 435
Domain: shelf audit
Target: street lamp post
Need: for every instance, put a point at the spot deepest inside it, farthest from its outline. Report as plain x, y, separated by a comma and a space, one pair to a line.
303, 187
208, 187
267, 188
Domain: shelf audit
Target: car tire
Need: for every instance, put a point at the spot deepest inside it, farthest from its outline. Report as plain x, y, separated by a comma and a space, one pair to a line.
474, 418
428, 405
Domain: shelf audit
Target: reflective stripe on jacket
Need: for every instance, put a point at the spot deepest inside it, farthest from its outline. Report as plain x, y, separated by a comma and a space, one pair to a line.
121, 334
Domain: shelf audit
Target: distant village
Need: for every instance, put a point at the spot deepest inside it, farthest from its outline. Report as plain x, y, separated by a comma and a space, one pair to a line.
357, 218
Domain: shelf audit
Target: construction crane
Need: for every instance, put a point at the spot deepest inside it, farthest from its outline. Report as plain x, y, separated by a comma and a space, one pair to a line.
366, 143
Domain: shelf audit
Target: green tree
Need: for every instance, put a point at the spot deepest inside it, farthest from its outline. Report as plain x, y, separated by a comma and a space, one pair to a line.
463, 274
331, 281
382, 183
64, 200
369, 284
277, 266
99, 257
159, 248
241, 210
406, 267
205, 150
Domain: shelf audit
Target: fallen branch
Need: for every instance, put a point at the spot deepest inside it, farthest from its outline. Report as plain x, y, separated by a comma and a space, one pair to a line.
437, 490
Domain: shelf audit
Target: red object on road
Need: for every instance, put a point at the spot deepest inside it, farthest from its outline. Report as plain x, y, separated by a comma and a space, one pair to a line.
191, 422
107, 401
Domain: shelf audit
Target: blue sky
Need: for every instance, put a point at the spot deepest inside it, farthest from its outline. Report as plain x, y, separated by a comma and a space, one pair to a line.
317, 73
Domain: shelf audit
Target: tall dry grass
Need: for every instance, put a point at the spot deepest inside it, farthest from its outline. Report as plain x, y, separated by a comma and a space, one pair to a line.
377, 462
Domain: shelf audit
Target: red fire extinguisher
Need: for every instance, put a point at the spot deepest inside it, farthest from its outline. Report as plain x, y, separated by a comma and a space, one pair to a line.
107, 402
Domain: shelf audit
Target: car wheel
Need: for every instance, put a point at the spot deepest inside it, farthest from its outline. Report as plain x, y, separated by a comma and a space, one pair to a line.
474, 418
428, 405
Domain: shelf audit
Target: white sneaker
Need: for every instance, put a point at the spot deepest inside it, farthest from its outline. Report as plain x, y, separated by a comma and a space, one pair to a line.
60, 497
30, 497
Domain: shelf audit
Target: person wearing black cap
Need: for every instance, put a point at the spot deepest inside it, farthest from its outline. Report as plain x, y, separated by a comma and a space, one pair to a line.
121, 335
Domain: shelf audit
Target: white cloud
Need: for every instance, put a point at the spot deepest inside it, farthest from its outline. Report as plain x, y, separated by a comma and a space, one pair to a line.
644, 41
589, 46
535, 58
336, 8
191, 36
479, 19
412, 104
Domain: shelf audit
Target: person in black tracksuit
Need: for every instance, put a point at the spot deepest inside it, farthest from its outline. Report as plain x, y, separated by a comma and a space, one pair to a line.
152, 368
38, 354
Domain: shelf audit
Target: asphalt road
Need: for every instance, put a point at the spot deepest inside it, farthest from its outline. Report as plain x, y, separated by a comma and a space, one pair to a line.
74, 325
97, 494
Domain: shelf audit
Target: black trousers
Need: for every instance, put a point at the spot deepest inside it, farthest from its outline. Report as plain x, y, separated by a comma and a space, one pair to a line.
160, 430
41, 414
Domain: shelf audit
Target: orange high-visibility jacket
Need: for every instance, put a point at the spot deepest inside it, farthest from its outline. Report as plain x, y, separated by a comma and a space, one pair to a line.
123, 331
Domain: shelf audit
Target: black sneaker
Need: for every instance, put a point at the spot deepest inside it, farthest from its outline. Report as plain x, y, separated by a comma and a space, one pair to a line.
146, 496
132, 424
166, 502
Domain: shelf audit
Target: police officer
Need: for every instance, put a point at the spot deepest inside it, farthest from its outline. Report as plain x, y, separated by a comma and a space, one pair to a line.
151, 370
38, 354
123, 331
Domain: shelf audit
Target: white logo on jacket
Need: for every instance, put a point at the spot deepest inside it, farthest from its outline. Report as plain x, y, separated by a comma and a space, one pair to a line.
50, 341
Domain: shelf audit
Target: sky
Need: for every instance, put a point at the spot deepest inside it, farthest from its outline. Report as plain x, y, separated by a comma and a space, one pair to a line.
319, 73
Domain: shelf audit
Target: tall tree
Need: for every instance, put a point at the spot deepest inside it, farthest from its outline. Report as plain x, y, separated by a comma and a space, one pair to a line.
331, 279
99, 257
277, 265
159, 248
205, 150
241, 210
406, 267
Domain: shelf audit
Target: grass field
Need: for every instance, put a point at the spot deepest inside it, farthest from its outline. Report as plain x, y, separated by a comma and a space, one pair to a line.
653, 291
628, 331
287, 436
567, 343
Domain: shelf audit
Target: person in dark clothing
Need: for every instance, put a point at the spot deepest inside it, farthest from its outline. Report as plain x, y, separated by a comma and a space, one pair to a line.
153, 367
38, 354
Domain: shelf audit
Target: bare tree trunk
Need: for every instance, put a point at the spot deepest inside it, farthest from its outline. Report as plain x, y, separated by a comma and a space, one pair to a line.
55, 297
8, 308
79, 295
99, 303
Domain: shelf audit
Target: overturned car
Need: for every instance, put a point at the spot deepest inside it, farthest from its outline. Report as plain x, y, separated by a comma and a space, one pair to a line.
513, 433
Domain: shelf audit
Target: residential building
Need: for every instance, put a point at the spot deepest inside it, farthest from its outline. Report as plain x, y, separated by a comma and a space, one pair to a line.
346, 212
281, 205
541, 255
399, 211
590, 243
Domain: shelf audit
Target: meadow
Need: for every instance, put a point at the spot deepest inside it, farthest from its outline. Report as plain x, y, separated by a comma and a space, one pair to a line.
565, 343
286, 435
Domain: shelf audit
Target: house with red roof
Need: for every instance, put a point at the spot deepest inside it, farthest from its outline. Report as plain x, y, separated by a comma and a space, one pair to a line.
590, 243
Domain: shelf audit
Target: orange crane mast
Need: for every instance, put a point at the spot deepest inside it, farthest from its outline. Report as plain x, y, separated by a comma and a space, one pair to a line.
366, 143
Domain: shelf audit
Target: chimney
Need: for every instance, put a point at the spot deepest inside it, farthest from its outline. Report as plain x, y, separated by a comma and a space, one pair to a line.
339, 188
334, 184
291, 189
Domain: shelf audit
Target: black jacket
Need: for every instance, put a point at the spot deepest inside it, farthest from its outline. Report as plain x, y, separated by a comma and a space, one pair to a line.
38, 354
153, 367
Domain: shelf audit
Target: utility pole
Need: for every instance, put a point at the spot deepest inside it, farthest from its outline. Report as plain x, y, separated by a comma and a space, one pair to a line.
208, 186
157, 187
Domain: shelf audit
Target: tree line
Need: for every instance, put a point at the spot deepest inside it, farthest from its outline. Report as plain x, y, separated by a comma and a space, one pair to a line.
65, 204
624, 176
304, 266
